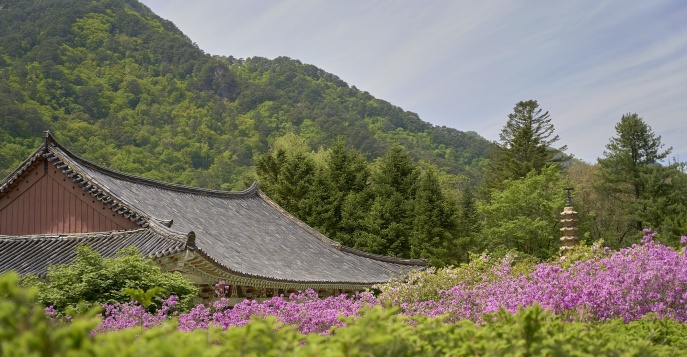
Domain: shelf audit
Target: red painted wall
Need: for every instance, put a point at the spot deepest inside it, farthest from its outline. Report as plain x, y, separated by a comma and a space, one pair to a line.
42, 203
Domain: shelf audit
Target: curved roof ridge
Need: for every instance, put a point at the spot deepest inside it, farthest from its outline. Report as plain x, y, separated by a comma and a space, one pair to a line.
151, 182
14, 175
384, 258
336, 245
159, 228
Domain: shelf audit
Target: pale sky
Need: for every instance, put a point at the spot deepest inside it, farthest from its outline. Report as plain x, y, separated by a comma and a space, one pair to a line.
464, 64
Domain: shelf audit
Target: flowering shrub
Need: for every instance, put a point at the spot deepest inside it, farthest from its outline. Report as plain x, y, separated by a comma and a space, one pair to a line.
305, 311
628, 284
24, 330
591, 284
631, 302
131, 314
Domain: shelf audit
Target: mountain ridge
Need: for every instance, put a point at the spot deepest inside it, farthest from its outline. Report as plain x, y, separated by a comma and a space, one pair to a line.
126, 88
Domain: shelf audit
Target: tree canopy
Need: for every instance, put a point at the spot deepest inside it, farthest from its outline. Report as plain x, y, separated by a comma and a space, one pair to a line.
524, 215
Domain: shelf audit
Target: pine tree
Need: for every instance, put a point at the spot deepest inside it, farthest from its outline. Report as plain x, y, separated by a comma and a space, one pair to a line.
347, 168
320, 206
525, 143
388, 223
631, 168
297, 176
287, 178
397, 172
287, 173
346, 175
434, 223
468, 226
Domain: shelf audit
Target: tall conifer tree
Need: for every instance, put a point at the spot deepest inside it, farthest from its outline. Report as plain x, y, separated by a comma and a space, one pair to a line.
388, 224
526, 143
468, 226
631, 162
287, 172
434, 223
345, 176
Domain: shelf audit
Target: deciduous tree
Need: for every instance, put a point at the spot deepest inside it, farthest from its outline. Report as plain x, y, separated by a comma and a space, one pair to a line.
524, 215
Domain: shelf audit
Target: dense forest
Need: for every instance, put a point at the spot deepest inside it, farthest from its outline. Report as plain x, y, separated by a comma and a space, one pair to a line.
120, 86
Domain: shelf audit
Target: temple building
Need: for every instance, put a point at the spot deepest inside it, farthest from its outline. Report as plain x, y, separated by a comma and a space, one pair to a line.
56, 200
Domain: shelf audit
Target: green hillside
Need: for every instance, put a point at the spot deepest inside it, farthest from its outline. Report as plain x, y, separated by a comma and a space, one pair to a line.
118, 84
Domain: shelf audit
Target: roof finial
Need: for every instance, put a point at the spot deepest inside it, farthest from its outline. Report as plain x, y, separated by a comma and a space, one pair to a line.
48, 136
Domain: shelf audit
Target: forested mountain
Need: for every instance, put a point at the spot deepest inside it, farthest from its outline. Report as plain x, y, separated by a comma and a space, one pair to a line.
125, 88
118, 84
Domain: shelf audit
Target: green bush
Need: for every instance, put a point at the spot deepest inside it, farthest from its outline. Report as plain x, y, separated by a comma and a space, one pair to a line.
25, 329
425, 285
581, 252
94, 280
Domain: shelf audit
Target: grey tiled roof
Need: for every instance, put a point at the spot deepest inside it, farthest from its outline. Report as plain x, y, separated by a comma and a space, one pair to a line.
33, 254
244, 232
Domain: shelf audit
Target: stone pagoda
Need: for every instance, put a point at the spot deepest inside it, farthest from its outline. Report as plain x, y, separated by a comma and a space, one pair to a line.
570, 233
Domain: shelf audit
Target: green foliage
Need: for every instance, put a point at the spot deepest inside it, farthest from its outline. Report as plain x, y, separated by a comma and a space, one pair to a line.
524, 215
342, 181
287, 172
582, 252
600, 218
531, 332
468, 227
25, 330
96, 280
434, 224
143, 298
388, 224
391, 207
